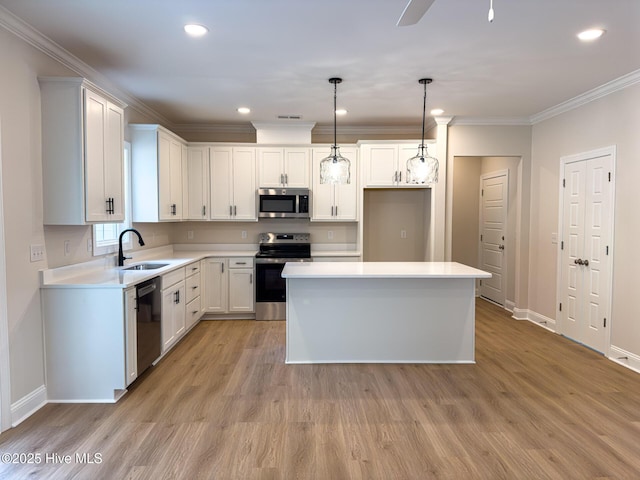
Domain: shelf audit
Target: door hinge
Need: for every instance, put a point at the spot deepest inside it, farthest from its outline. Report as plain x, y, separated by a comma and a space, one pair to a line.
560, 306
564, 182
561, 244
609, 176
605, 323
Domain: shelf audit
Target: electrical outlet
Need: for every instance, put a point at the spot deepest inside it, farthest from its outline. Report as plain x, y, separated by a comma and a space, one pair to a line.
189, 234
244, 234
330, 234
67, 248
37, 253
403, 234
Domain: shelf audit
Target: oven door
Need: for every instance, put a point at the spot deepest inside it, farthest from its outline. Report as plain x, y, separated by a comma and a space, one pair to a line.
271, 290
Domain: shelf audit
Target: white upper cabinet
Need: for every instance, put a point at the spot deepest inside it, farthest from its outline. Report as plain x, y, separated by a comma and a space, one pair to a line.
82, 153
333, 203
196, 184
233, 183
156, 171
385, 164
283, 167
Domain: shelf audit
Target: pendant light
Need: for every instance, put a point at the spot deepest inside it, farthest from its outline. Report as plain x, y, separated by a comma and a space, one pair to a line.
335, 168
423, 168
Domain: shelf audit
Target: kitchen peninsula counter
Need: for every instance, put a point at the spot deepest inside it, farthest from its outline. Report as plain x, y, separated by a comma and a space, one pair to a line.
381, 312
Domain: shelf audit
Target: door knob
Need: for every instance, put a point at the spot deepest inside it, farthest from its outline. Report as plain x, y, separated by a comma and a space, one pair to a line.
585, 263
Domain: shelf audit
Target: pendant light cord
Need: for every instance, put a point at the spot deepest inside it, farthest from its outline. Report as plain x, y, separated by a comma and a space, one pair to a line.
335, 117
424, 112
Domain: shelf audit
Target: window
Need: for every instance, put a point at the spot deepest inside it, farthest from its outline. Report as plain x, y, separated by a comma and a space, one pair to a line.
105, 235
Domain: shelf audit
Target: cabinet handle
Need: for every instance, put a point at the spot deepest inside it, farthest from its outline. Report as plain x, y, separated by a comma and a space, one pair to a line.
193, 269
235, 210
204, 210
336, 210
250, 278
395, 176
193, 288
282, 179
222, 268
231, 210
399, 176
194, 312
585, 263
176, 297
173, 209
286, 179
241, 263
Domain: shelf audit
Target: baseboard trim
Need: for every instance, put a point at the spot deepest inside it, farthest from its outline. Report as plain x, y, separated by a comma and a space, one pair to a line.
28, 405
509, 305
534, 317
624, 358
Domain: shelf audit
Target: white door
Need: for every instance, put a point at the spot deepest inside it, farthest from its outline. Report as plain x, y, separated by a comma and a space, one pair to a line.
585, 269
241, 290
220, 177
296, 167
493, 231
244, 183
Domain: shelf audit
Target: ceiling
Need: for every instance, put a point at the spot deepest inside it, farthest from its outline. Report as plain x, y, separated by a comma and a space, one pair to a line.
276, 56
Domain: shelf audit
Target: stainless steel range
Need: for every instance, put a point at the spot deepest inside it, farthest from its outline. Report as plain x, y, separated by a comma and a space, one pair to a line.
276, 249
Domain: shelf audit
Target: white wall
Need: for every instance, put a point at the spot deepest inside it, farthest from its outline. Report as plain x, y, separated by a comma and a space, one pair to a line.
611, 120
22, 186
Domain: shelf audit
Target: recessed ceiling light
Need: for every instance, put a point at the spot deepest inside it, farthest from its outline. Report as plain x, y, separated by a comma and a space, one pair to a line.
341, 111
437, 111
591, 34
244, 110
195, 30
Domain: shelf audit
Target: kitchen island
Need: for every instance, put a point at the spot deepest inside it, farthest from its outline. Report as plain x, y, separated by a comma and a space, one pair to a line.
381, 312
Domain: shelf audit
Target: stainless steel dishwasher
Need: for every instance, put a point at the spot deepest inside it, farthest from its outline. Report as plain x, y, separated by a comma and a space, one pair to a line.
148, 326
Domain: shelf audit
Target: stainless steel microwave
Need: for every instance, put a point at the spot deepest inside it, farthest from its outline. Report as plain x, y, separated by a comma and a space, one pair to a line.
284, 203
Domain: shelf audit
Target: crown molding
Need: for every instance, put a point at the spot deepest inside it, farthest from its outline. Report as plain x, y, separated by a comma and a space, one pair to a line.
608, 88
375, 129
240, 128
491, 121
33, 37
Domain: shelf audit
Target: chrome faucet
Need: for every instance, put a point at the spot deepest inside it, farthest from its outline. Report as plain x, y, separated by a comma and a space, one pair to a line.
121, 257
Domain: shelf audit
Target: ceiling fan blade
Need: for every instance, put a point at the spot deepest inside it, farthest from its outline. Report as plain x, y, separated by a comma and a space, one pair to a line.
413, 12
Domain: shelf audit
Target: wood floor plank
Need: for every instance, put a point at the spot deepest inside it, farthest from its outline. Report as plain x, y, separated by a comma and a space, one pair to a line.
223, 405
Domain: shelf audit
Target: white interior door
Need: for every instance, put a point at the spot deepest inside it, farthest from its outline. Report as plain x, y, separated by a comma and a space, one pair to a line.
587, 217
493, 231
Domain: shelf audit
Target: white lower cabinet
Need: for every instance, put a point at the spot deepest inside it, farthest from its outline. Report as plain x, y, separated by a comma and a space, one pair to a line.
228, 285
193, 287
215, 285
173, 307
131, 337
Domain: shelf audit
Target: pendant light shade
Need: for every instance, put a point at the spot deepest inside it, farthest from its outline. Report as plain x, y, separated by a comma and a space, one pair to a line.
335, 168
423, 168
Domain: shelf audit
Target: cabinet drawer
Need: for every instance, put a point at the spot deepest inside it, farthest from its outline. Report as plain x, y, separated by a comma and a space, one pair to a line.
241, 262
192, 268
193, 313
172, 278
193, 286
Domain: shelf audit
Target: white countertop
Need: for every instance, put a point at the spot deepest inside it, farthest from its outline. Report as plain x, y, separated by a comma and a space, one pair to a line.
97, 274
381, 270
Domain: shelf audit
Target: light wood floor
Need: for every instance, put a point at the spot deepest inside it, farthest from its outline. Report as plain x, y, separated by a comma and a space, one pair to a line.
223, 405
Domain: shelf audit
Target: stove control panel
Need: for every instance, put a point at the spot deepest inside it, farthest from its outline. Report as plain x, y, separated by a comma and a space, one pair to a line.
284, 238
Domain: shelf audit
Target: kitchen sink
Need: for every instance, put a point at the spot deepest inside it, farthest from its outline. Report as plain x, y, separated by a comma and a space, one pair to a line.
146, 266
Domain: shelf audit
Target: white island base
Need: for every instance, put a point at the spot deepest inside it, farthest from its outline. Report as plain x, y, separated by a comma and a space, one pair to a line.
358, 312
